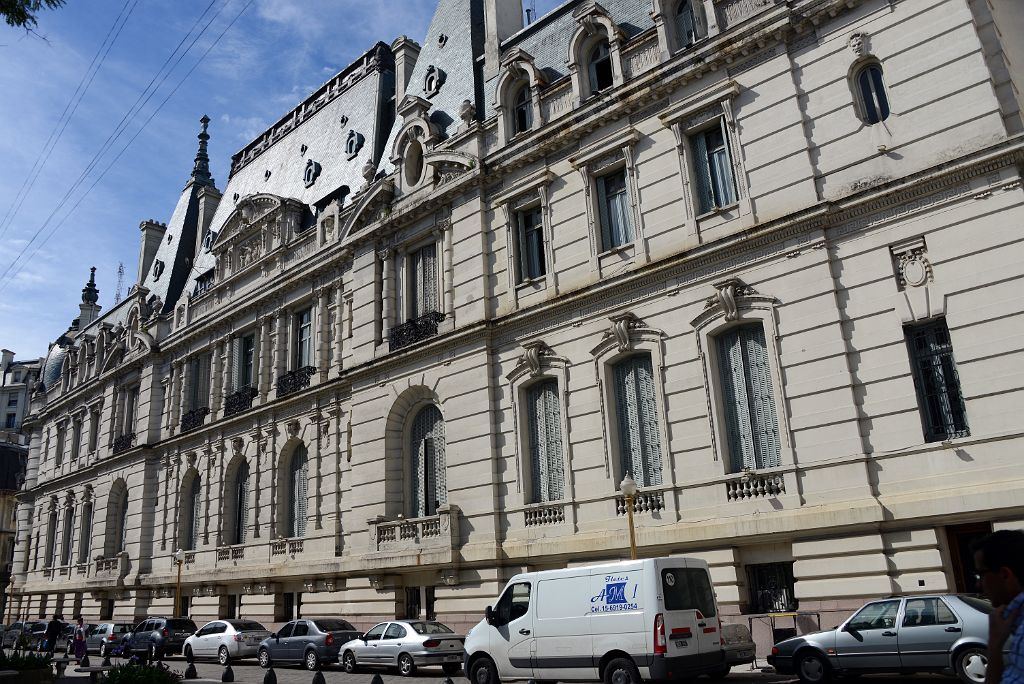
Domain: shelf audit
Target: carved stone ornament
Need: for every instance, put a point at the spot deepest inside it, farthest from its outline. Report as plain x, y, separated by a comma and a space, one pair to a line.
910, 259
621, 325
533, 353
467, 112
293, 428
433, 80
353, 143
369, 171
237, 444
858, 43
726, 294
311, 173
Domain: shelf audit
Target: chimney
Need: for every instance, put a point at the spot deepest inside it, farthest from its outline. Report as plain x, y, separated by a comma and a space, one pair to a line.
502, 18
6, 357
209, 198
152, 235
406, 51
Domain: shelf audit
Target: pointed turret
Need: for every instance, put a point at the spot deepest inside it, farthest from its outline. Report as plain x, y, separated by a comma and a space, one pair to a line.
89, 308
201, 168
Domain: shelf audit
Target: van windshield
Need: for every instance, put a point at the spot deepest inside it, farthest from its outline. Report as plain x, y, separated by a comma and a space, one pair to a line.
688, 589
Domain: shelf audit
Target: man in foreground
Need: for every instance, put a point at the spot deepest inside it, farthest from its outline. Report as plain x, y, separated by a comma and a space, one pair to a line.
999, 566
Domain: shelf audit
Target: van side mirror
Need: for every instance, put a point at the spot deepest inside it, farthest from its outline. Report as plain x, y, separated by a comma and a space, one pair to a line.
489, 615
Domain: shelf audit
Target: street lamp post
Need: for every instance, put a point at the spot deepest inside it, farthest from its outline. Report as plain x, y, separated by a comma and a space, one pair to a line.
629, 489
179, 560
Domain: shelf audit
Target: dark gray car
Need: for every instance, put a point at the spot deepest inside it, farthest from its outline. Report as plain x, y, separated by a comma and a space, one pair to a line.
105, 637
157, 637
310, 641
946, 633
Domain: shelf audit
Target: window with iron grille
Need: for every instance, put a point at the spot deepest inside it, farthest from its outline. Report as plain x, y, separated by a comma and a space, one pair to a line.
298, 481
530, 235
771, 588
712, 166
935, 377
544, 419
190, 519
639, 432
304, 338
748, 399
423, 298
614, 210
429, 488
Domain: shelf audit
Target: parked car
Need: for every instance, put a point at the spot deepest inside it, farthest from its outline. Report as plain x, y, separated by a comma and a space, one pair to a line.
738, 646
650, 619
226, 640
105, 638
11, 634
945, 633
36, 635
157, 637
406, 645
310, 641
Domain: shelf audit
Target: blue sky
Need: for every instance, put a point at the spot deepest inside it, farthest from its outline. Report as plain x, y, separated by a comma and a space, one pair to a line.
273, 55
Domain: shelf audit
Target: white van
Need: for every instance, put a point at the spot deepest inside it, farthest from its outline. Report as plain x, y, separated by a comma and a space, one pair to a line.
654, 618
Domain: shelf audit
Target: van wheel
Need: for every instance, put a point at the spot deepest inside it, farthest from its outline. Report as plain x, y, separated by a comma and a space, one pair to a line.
812, 669
621, 671
482, 671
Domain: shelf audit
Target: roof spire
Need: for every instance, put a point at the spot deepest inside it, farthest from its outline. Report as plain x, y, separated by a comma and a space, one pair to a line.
201, 169
90, 295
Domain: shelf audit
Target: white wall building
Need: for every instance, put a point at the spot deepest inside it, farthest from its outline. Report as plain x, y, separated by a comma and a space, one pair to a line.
763, 256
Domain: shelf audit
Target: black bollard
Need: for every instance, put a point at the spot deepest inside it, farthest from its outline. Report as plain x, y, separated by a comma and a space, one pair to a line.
270, 677
106, 659
448, 680
84, 662
228, 675
190, 671
377, 679
318, 677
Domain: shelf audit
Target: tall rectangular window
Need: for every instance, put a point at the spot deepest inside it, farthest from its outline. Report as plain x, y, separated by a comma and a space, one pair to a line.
936, 380
613, 208
94, 429
10, 421
199, 386
244, 362
712, 165
85, 542
639, 434
530, 235
545, 427
131, 406
748, 399
304, 338
423, 297
76, 438
61, 430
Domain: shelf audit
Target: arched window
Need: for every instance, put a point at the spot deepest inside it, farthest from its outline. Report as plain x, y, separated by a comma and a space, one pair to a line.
685, 25
544, 418
873, 98
639, 435
429, 487
116, 533
190, 514
748, 399
298, 488
66, 536
600, 68
522, 110
241, 494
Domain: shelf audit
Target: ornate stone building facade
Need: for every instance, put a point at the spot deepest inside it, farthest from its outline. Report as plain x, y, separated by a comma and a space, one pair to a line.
762, 256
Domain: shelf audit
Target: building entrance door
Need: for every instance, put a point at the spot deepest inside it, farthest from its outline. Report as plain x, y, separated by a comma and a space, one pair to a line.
960, 538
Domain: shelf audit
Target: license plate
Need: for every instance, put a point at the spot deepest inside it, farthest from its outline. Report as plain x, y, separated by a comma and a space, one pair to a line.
681, 643
452, 659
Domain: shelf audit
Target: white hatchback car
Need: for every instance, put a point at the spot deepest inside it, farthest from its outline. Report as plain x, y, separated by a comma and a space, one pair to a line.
226, 640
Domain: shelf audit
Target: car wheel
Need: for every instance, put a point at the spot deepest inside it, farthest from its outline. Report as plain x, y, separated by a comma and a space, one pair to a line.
222, 655
406, 666
263, 656
812, 669
450, 668
348, 662
311, 661
621, 671
971, 665
483, 671
720, 673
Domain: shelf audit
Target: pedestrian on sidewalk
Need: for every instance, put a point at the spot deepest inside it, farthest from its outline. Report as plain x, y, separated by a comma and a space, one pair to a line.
52, 634
999, 569
79, 643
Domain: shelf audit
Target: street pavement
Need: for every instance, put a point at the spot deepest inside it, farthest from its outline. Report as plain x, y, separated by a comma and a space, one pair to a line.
248, 672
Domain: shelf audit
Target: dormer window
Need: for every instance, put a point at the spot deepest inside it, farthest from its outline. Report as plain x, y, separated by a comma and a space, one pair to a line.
600, 68
522, 111
685, 25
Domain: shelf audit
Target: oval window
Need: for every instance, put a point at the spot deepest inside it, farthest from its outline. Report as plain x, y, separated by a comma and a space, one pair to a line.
413, 163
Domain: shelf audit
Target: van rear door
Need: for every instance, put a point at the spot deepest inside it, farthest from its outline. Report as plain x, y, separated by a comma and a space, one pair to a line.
690, 614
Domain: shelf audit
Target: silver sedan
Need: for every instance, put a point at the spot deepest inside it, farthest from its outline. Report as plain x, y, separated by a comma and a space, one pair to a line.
226, 640
946, 633
405, 645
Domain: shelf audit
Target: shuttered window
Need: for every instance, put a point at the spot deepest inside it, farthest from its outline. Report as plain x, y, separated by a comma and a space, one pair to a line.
748, 399
423, 281
192, 514
639, 435
545, 427
199, 385
429, 487
937, 382
712, 162
298, 490
85, 542
243, 351
241, 521
614, 211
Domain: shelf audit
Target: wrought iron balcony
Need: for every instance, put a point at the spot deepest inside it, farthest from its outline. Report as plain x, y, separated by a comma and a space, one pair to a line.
239, 401
123, 443
194, 418
414, 330
295, 380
